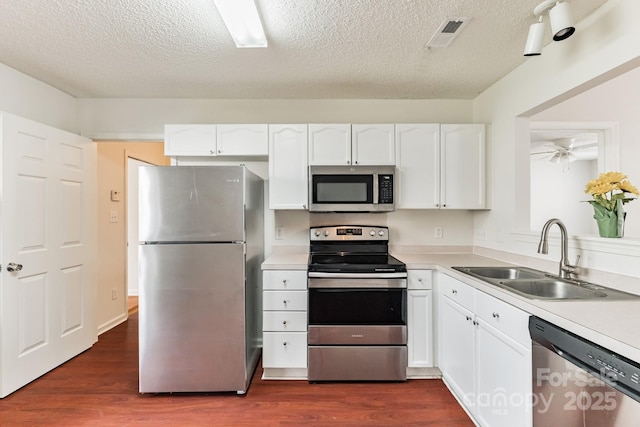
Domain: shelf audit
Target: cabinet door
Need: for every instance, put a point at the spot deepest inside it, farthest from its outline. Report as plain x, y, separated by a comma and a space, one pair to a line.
504, 379
242, 140
373, 145
462, 166
329, 144
284, 350
288, 170
189, 140
457, 350
419, 329
417, 166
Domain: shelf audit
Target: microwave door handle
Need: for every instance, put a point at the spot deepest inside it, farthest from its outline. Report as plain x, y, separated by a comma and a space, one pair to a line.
375, 188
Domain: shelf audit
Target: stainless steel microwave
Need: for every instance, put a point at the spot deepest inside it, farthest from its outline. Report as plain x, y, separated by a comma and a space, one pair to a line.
351, 188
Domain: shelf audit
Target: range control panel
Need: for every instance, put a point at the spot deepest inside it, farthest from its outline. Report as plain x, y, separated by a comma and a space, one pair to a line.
349, 232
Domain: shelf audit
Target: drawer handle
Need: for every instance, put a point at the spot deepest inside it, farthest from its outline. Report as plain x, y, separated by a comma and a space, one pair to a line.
284, 322
284, 282
284, 343
475, 323
419, 279
468, 318
454, 291
284, 301
496, 315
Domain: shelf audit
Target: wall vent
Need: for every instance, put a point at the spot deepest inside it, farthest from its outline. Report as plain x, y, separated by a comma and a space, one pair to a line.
448, 31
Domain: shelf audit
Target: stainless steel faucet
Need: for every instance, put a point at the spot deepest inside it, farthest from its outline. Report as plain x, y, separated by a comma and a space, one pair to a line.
566, 270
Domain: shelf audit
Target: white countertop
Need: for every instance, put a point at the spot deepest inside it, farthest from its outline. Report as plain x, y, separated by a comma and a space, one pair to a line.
612, 324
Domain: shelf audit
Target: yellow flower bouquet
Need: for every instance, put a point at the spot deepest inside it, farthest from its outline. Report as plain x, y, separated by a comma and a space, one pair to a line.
610, 191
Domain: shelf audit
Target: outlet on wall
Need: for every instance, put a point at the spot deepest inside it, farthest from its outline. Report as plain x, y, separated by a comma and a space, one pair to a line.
114, 293
113, 216
279, 233
437, 232
481, 235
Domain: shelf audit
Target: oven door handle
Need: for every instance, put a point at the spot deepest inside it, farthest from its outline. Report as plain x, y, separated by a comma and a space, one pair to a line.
368, 283
396, 275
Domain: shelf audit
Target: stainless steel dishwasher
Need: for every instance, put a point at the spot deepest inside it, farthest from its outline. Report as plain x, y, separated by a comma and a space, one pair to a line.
579, 383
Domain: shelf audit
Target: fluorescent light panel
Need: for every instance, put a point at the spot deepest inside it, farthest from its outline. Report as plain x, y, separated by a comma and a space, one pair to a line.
243, 22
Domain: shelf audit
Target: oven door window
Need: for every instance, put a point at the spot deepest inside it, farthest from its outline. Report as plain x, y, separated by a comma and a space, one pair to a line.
342, 189
357, 306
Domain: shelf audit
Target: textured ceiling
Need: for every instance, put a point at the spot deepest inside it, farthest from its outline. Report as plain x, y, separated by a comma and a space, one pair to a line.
317, 48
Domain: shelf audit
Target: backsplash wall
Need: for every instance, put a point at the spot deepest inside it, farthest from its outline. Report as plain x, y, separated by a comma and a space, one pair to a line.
406, 227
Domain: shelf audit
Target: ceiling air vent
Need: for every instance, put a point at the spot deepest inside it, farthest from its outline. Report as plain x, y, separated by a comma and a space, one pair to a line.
448, 31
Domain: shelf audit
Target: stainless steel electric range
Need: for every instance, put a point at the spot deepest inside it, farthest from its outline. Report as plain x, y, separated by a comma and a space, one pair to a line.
357, 306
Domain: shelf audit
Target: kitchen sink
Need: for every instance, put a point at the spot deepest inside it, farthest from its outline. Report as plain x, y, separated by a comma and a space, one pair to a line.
537, 284
551, 289
511, 273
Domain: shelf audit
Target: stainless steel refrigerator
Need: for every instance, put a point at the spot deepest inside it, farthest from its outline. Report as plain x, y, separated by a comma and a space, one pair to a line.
201, 246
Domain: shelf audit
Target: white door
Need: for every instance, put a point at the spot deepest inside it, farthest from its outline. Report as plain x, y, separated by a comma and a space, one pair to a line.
504, 379
48, 222
462, 166
457, 350
288, 181
373, 144
329, 144
132, 224
418, 166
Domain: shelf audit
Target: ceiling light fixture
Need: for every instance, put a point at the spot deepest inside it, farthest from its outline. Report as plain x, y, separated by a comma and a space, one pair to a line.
243, 22
561, 25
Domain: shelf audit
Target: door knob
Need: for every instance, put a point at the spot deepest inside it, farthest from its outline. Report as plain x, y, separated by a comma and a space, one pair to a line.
12, 266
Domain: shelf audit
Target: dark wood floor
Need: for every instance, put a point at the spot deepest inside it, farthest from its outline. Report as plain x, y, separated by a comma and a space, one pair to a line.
100, 388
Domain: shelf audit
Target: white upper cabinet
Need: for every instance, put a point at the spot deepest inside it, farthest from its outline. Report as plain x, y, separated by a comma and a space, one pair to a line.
329, 144
288, 187
344, 144
373, 145
216, 140
463, 166
189, 140
440, 166
242, 140
417, 166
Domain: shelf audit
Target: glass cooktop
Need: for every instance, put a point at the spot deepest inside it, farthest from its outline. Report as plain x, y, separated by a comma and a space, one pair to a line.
355, 263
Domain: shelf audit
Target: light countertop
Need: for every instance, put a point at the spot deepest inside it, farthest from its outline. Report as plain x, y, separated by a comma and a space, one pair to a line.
612, 324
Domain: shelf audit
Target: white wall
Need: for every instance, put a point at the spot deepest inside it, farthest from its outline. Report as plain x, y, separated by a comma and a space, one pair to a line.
613, 101
557, 191
139, 116
30, 98
605, 45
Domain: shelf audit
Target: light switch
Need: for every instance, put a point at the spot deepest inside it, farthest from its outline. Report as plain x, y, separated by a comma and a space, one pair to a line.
113, 215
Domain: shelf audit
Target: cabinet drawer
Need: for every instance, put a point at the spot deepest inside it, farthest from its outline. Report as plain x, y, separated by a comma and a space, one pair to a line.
419, 279
284, 321
285, 300
282, 280
284, 350
506, 318
457, 291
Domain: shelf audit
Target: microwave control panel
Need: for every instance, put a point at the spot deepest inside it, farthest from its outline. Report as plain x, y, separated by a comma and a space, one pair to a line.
385, 189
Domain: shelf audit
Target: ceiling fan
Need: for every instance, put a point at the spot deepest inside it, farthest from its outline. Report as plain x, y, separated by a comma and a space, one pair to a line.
565, 150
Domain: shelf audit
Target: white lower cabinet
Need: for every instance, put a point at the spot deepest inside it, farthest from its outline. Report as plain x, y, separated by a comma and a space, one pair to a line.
485, 354
420, 319
284, 324
284, 350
